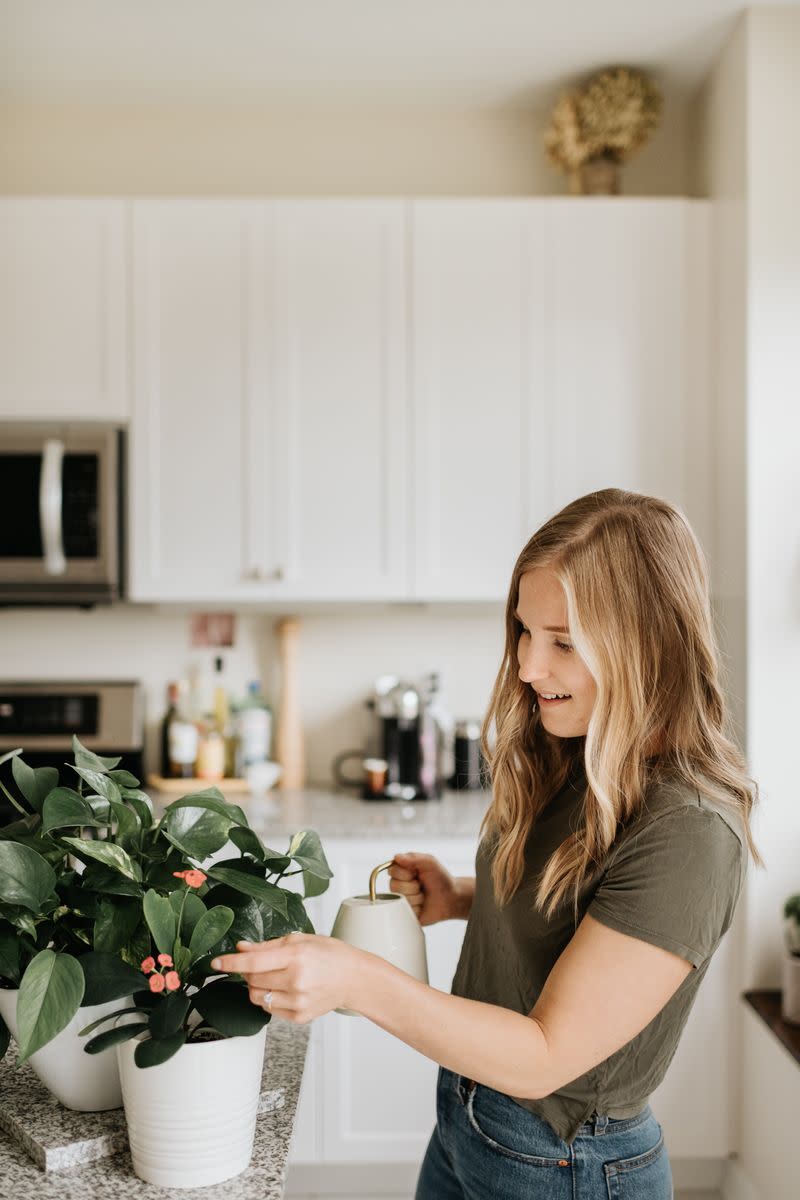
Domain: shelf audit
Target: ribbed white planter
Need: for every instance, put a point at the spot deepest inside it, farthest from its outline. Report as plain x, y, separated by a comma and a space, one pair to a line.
192, 1120
85, 1082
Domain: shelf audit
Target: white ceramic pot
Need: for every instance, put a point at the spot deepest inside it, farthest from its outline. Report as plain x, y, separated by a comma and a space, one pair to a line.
192, 1120
85, 1082
790, 999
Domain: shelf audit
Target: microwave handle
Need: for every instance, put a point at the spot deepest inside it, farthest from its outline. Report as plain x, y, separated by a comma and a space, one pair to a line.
50, 504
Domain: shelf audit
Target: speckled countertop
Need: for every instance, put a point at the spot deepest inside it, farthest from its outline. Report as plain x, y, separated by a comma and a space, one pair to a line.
339, 814
113, 1178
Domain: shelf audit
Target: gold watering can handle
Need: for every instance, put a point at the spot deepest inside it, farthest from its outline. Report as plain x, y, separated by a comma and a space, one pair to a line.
373, 879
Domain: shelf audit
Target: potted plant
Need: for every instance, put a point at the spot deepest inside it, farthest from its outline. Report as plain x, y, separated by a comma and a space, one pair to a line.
790, 1003
85, 913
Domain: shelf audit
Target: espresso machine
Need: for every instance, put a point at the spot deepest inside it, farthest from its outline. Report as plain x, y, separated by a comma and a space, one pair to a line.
408, 755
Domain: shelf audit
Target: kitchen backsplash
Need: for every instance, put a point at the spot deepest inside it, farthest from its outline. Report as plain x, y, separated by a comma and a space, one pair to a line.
341, 655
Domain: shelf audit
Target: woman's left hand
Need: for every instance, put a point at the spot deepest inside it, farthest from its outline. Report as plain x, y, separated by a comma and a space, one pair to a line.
308, 974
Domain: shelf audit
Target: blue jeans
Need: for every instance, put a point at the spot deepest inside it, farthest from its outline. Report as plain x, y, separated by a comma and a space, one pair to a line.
486, 1147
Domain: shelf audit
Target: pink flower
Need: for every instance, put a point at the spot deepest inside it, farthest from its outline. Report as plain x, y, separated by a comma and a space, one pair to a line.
149, 964
180, 874
156, 983
165, 960
172, 980
195, 878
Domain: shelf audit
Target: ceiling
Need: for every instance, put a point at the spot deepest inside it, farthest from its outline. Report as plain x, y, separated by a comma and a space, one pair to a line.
499, 53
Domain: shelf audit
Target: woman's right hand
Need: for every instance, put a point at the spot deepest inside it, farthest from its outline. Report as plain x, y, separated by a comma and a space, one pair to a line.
428, 887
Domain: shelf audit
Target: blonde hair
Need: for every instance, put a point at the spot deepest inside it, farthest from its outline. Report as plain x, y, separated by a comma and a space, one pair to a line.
639, 613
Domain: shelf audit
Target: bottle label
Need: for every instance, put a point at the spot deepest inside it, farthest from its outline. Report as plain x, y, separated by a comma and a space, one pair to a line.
183, 740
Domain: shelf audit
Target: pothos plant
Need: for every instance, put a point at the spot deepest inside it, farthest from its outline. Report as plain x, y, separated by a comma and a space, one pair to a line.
791, 924
96, 894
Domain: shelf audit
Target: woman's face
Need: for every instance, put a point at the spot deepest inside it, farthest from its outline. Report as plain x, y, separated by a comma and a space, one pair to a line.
547, 658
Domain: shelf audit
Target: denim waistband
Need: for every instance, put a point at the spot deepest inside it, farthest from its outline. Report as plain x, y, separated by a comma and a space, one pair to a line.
597, 1125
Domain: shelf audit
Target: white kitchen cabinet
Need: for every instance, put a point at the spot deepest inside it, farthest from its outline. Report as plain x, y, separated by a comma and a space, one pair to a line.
479, 304
269, 432
628, 329
63, 318
367, 1097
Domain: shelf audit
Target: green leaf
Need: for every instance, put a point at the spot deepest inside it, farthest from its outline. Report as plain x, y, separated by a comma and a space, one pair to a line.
198, 832
21, 918
34, 782
64, 807
226, 1006
87, 758
25, 877
115, 924
168, 1015
9, 956
49, 996
23, 830
248, 922
121, 1012
10, 754
306, 849
5, 1038
112, 1037
101, 879
161, 920
99, 783
266, 893
211, 927
128, 824
108, 978
248, 842
106, 853
141, 805
139, 947
123, 779
193, 910
213, 800
276, 925
153, 1051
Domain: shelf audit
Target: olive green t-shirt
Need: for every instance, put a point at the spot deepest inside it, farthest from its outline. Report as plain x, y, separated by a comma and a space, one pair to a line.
672, 878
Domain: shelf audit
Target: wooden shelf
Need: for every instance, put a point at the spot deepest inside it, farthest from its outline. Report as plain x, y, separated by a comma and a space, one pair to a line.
768, 1006
184, 786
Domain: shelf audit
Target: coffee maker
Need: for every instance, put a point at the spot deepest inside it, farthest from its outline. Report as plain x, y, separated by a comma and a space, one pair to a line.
408, 755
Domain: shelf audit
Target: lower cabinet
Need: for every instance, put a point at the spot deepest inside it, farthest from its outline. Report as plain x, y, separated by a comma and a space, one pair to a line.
367, 1097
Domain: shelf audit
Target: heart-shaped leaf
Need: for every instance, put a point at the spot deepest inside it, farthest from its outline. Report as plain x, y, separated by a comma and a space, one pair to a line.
306, 849
65, 807
248, 842
90, 760
127, 822
209, 930
100, 783
266, 893
34, 782
153, 1051
213, 800
123, 779
101, 879
112, 1037
49, 996
25, 877
198, 832
161, 920
106, 853
107, 978
226, 1006
142, 805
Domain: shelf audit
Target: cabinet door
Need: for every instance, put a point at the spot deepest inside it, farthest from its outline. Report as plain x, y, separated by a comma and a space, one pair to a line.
628, 333
63, 293
341, 383
379, 1094
202, 447
478, 300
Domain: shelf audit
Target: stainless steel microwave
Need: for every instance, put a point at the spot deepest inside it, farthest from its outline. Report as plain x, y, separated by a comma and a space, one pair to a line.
61, 513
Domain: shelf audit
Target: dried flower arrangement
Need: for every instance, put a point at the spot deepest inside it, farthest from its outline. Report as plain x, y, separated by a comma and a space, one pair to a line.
595, 129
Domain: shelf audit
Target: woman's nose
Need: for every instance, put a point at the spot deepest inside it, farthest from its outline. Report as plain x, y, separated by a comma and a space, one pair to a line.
533, 665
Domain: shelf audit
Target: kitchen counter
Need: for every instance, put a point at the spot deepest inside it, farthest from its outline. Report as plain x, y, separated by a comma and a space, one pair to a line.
112, 1178
335, 814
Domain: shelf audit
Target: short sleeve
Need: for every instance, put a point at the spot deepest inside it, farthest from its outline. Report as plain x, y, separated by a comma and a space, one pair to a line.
674, 883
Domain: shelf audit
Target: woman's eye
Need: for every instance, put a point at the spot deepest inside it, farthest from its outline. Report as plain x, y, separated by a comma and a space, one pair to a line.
563, 645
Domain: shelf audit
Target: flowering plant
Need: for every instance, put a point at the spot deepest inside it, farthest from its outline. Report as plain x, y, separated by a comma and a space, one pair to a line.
99, 901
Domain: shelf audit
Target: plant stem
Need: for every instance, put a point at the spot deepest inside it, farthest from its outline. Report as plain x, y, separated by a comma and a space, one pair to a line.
17, 806
180, 914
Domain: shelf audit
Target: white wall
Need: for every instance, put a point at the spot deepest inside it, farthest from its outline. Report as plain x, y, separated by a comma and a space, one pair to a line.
341, 655
165, 149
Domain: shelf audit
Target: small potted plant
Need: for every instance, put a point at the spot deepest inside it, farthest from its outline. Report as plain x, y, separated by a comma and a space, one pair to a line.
790, 1003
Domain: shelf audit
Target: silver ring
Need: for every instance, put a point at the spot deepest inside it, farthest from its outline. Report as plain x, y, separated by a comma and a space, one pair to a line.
267, 999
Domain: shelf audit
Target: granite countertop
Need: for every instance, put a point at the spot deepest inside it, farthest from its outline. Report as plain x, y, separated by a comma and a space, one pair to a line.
343, 814
112, 1178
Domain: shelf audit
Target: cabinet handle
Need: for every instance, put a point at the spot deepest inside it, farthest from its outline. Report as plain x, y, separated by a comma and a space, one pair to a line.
260, 575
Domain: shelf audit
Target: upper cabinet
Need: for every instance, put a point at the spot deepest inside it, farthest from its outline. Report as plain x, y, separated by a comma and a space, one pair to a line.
269, 431
63, 298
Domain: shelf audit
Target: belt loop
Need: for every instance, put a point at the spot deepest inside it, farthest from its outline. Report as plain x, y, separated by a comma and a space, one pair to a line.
600, 1124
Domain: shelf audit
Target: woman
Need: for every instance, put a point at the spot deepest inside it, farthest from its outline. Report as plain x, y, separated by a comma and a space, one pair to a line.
612, 858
